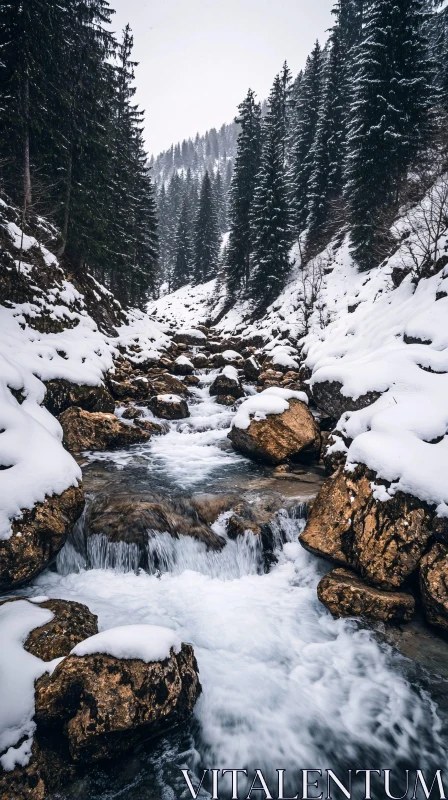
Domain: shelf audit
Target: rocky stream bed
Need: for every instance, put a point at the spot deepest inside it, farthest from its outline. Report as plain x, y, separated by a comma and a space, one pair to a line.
182, 530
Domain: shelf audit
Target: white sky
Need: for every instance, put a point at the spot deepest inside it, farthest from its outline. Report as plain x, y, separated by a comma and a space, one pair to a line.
199, 57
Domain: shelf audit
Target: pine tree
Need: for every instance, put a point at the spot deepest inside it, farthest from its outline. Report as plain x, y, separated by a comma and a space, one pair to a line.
389, 121
303, 138
247, 164
270, 226
183, 266
221, 202
206, 235
29, 74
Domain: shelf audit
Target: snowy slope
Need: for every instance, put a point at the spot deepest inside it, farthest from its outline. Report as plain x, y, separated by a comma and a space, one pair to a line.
49, 336
370, 335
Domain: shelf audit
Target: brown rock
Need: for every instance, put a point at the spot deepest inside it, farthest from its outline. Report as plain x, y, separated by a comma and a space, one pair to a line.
346, 595
164, 383
192, 380
150, 426
328, 396
433, 585
132, 413
134, 519
226, 385
49, 769
105, 705
200, 361
225, 400
62, 394
383, 540
38, 536
270, 376
71, 624
169, 406
279, 436
86, 431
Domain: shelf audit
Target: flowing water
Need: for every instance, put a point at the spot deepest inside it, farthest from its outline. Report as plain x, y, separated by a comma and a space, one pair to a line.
284, 685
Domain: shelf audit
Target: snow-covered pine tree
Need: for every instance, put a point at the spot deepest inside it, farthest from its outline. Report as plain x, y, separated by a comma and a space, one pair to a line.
305, 116
183, 265
242, 187
270, 223
389, 119
329, 149
221, 201
207, 238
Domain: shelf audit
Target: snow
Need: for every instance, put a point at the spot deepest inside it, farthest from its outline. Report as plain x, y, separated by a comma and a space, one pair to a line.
169, 398
37, 465
18, 672
230, 372
231, 355
183, 361
271, 401
370, 336
145, 642
192, 332
188, 306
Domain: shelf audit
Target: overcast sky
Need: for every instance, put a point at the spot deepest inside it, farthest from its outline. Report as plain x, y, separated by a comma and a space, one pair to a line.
199, 57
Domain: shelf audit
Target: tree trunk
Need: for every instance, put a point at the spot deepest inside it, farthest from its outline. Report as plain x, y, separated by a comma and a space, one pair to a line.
67, 204
26, 150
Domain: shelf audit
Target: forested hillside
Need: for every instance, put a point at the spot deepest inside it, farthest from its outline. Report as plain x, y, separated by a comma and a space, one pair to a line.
72, 140
343, 146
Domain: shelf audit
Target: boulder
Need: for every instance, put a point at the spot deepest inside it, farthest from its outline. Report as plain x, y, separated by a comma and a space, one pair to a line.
328, 397
72, 623
227, 383
225, 400
383, 539
49, 769
134, 519
151, 427
433, 585
105, 705
289, 434
228, 357
62, 394
251, 369
182, 366
190, 336
38, 536
169, 406
346, 595
129, 389
86, 431
271, 376
192, 380
200, 361
162, 382
132, 413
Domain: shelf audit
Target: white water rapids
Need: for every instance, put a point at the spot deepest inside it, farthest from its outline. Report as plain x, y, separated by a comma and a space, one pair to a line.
284, 685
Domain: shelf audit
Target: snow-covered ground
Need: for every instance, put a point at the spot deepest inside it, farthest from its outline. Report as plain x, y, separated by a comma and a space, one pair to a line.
370, 335
35, 463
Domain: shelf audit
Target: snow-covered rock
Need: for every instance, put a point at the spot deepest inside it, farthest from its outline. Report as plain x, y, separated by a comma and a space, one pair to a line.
169, 406
274, 425
117, 688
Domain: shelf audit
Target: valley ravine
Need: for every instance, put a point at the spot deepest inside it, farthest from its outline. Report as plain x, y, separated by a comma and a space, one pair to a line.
285, 686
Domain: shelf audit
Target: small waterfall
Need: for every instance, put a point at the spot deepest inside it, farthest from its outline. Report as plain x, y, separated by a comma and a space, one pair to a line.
249, 554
